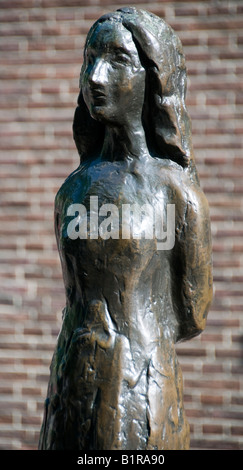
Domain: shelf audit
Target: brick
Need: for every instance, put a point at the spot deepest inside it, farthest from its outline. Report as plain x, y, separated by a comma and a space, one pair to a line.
33, 420
219, 10
213, 400
229, 353
6, 420
237, 430
215, 444
186, 11
237, 400
212, 368
192, 352
214, 338
222, 414
31, 391
237, 369
215, 384
218, 41
18, 4
212, 429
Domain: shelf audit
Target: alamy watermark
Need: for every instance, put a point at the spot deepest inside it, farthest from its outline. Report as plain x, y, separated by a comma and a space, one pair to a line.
129, 221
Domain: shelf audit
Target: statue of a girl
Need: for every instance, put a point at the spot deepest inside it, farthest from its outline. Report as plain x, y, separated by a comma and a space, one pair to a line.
115, 381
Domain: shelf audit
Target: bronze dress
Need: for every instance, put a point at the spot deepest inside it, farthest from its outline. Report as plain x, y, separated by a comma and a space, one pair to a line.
115, 380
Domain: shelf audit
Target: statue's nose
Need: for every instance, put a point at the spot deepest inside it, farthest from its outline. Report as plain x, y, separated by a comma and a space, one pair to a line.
99, 73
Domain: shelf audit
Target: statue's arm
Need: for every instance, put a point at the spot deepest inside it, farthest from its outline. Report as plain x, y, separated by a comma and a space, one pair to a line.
193, 285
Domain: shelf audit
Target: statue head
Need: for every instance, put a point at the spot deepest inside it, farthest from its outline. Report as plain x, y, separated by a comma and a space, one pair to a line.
160, 83
113, 77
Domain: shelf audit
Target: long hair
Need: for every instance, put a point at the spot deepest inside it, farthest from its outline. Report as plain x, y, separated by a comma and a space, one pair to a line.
165, 118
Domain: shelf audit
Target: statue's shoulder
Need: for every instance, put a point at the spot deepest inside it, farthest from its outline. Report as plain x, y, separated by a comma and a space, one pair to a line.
182, 183
67, 187
171, 174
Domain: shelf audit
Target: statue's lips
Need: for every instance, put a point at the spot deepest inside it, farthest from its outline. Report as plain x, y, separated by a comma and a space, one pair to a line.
98, 95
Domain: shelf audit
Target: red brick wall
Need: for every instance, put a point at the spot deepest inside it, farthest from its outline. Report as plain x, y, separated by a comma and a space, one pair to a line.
41, 51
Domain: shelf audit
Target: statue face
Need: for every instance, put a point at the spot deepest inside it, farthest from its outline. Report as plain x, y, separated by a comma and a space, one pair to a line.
113, 79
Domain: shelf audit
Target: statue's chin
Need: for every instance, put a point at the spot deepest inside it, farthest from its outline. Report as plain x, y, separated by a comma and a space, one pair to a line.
98, 113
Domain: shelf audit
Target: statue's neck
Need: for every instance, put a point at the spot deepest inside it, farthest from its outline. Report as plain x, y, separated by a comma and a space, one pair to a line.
124, 142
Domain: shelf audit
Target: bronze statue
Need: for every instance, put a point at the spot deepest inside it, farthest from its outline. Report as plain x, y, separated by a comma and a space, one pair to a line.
115, 381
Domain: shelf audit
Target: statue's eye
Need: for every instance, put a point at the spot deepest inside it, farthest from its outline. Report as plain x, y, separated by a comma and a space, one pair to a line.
120, 58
